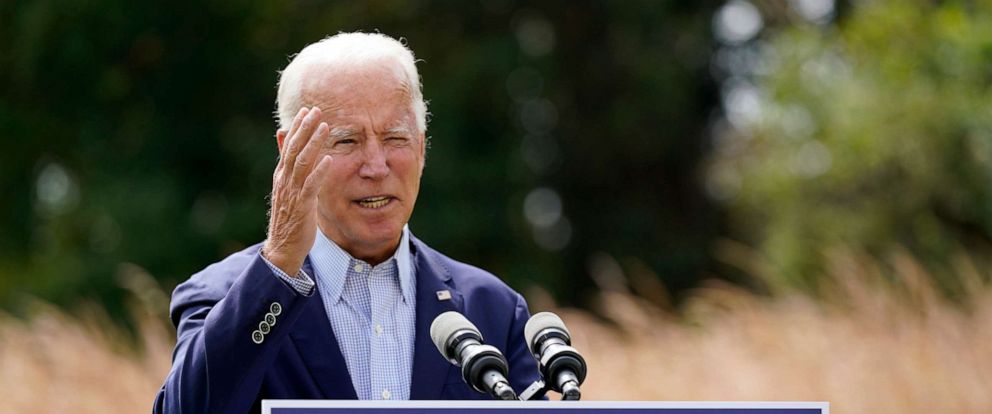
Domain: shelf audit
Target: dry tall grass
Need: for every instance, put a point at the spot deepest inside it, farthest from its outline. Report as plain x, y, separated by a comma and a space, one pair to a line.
870, 347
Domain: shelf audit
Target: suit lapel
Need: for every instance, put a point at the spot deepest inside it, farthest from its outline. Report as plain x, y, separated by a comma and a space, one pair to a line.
430, 369
319, 349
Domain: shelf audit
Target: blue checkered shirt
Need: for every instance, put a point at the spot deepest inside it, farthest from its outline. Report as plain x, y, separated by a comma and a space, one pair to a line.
372, 313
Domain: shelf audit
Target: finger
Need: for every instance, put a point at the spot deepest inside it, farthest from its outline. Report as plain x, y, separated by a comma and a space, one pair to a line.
293, 144
297, 120
284, 147
317, 177
302, 135
307, 158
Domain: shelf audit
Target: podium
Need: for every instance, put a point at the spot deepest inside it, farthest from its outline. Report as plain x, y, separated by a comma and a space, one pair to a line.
539, 407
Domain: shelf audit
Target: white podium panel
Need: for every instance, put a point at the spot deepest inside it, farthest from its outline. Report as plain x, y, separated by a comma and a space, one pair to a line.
539, 407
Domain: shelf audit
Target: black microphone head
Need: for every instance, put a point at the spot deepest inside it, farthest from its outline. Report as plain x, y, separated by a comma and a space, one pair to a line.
540, 322
445, 326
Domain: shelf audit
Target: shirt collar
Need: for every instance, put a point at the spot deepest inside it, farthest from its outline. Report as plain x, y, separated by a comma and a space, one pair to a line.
330, 263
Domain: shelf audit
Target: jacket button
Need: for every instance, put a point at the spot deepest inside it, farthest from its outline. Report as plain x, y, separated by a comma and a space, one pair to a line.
270, 319
275, 308
264, 327
257, 337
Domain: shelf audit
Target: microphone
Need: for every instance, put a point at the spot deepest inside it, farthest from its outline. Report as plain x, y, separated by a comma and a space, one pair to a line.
561, 365
483, 366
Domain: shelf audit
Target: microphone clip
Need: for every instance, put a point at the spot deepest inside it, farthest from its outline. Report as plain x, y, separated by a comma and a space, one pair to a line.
539, 389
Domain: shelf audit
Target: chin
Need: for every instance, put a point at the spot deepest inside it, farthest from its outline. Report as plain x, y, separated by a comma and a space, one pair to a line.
381, 233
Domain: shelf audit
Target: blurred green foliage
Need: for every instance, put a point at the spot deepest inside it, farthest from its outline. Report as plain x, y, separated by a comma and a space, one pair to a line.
575, 146
141, 132
874, 134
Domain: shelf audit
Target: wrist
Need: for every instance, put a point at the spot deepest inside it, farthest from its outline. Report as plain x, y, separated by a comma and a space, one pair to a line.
287, 264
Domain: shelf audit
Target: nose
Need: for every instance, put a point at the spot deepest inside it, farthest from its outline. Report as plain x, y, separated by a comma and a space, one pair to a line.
374, 165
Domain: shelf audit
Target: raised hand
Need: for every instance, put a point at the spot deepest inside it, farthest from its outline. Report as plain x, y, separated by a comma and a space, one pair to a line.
295, 184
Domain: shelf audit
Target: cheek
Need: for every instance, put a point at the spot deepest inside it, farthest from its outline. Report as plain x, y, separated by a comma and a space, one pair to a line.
405, 161
337, 178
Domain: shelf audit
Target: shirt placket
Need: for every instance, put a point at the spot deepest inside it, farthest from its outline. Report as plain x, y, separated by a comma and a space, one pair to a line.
383, 350
359, 297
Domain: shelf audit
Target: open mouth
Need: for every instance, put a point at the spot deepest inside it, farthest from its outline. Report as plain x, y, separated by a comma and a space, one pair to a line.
375, 202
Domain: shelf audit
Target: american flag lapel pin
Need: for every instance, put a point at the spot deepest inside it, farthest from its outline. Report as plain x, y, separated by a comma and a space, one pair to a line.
443, 295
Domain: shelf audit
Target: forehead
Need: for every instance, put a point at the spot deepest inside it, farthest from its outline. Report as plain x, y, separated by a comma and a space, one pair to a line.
374, 84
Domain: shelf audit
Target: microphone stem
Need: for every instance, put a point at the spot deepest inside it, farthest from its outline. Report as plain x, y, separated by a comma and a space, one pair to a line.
497, 383
504, 392
570, 391
569, 386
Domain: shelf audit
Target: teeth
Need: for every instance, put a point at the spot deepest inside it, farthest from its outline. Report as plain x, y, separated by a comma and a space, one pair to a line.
374, 202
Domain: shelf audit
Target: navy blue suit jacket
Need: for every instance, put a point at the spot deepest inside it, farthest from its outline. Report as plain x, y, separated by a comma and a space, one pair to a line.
217, 368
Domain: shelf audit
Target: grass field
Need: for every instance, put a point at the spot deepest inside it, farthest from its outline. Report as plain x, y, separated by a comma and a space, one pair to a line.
868, 347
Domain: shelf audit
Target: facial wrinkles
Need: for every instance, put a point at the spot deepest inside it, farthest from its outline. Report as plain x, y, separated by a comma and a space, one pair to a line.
382, 105
343, 130
342, 101
358, 104
370, 104
366, 85
382, 119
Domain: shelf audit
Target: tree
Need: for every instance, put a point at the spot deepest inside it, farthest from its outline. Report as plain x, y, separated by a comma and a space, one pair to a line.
872, 134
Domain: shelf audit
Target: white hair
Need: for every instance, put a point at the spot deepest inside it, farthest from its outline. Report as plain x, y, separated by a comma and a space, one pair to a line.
345, 49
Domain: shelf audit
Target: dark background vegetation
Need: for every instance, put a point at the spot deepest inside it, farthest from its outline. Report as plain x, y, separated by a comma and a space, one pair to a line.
575, 146
159, 118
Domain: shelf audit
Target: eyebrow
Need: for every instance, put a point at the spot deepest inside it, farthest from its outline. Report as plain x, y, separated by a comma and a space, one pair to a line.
344, 132
339, 132
400, 130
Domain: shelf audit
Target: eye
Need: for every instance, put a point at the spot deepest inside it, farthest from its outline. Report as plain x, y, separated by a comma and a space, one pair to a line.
344, 141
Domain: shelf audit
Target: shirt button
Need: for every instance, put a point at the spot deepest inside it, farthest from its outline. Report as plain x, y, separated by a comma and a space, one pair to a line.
385, 394
378, 329
358, 268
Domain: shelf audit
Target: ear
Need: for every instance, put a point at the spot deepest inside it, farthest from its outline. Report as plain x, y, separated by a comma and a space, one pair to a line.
423, 150
280, 138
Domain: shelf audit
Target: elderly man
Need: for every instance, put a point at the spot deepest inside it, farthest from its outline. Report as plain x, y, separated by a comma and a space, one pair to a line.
338, 300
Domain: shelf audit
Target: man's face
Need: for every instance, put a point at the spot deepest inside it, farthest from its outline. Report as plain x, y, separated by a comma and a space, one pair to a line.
378, 156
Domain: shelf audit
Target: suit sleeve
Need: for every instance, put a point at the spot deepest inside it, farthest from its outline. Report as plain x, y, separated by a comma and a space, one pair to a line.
523, 367
220, 359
